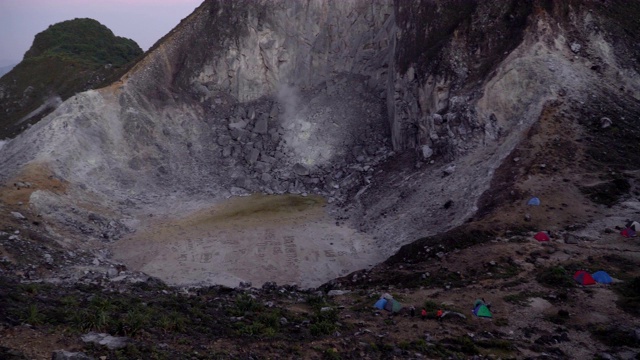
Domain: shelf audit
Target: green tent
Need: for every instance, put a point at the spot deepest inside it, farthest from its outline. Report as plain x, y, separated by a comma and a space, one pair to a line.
482, 311
392, 305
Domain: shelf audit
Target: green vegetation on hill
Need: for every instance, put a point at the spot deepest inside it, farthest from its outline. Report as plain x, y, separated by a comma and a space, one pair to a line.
84, 40
65, 59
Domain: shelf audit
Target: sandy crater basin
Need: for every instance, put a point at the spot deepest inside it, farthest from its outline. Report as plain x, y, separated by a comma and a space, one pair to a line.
288, 239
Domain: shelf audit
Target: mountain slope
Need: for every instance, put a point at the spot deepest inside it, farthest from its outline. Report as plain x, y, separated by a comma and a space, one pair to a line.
408, 131
6, 69
247, 98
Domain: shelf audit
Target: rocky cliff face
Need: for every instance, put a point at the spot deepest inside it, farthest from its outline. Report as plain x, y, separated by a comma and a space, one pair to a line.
398, 112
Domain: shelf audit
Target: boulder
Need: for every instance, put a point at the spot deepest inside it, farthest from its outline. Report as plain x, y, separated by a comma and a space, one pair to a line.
266, 177
224, 140
111, 342
427, 152
262, 166
67, 355
226, 151
575, 47
252, 155
301, 170
261, 126
570, 239
18, 215
274, 111
238, 125
338, 292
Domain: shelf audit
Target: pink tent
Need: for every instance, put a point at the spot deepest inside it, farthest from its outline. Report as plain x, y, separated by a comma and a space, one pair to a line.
541, 236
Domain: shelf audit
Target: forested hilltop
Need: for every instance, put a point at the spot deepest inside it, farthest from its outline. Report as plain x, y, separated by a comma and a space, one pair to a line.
67, 58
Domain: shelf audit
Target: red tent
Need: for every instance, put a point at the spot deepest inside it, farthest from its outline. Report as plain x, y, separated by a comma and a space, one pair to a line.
541, 236
583, 277
628, 232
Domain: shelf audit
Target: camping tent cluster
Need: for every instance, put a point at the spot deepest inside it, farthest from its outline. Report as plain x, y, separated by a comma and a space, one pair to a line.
628, 232
631, 228
542, 235
387, 302
584, 278
633, 225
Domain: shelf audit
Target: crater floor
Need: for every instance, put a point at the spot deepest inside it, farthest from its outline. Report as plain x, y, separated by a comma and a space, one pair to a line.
288, 239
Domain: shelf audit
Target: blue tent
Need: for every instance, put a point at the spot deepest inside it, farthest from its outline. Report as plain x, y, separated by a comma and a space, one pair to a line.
380, 304
601, 277
534, 201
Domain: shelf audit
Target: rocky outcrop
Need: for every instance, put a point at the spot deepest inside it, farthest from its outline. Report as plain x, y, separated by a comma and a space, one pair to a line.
398, 112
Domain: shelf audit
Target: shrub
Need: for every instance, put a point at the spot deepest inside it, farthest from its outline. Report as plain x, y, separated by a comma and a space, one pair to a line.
316, 302
33, 316
331, 354
133, 321
555, 277
270, 319
30, 289
172, 322
521, 298
252, 329
243, 304
323, 327
430, 305
324, 322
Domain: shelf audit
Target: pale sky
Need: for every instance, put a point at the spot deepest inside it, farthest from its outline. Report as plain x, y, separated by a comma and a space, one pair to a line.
144, 21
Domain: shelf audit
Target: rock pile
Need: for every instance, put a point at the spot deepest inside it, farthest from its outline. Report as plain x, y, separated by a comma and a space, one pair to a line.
312, 142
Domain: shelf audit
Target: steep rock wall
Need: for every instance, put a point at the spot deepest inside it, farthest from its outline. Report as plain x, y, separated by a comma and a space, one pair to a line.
469, 106
312, 96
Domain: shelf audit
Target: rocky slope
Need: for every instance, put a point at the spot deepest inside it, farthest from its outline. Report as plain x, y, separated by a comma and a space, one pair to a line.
411, 119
